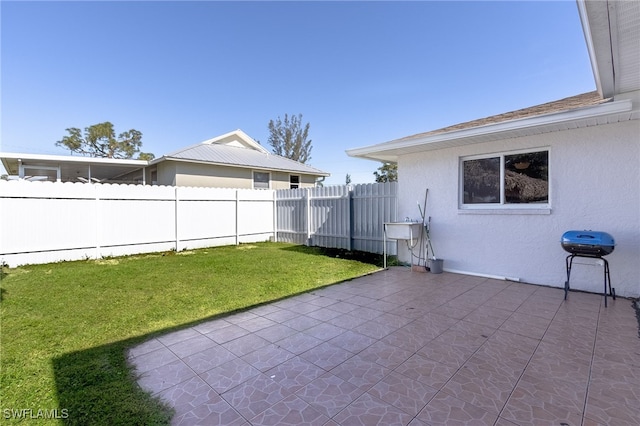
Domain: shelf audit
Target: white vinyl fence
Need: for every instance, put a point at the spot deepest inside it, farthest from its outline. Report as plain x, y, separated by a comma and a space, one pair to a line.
43, 222
349, 217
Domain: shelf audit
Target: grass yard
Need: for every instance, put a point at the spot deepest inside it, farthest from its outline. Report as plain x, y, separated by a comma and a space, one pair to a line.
65, 327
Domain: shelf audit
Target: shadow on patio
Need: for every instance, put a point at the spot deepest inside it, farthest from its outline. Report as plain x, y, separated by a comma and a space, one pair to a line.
398, 347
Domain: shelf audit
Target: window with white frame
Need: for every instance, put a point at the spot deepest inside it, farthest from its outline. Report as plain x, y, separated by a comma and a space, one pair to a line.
518, 179
294, 181
261, 180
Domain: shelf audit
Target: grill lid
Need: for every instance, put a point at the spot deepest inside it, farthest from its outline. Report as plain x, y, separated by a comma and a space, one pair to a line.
593, 243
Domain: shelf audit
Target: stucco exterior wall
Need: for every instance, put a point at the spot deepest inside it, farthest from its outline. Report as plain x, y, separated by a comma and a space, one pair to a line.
193, 174
206, 175
166, 173
594, 183
281, 180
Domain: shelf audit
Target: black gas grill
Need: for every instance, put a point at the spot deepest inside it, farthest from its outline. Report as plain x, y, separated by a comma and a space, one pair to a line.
591, 244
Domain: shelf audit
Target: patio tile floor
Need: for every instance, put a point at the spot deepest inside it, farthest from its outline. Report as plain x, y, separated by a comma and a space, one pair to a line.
407, 348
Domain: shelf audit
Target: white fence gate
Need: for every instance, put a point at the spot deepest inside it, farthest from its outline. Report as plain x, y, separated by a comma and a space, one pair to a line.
350, 217
43, 222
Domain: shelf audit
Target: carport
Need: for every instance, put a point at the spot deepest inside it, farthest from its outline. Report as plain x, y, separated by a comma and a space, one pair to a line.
62, 168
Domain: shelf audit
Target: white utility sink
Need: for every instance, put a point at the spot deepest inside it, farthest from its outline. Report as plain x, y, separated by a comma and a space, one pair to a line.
403, 230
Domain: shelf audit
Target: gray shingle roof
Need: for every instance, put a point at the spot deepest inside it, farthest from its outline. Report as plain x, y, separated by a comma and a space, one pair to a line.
566, 104
241, 157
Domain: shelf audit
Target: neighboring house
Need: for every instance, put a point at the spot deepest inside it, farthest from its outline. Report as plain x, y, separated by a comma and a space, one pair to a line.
233, 160
503, 189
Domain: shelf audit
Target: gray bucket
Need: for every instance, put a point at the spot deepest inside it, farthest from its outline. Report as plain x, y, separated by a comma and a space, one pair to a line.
435, 265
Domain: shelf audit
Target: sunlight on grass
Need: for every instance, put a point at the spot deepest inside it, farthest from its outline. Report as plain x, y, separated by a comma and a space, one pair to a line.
66, 326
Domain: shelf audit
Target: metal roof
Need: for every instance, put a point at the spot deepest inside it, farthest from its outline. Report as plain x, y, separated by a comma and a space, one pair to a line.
72, 168
233, 149
235, 156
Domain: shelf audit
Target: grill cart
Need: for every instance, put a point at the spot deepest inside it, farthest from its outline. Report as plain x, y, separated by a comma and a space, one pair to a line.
590, 244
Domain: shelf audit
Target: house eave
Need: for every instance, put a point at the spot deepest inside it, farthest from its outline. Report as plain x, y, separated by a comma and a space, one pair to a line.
10, 160
239, 166
609, 112
595, 17
248, 140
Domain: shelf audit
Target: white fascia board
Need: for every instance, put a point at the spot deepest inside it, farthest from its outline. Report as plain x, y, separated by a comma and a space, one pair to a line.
610, 108
248, 140
594, 18
72, 159
252, 142
241, 166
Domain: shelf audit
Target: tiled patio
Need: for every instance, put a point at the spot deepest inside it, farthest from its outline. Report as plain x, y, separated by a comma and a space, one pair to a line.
400, 347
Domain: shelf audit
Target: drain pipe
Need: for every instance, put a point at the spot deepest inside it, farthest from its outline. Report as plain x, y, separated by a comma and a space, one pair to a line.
479, 274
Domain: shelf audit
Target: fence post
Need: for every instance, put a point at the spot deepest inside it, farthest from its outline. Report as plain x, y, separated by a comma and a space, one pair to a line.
237, 216
275, 216
175, 218
351, 216
307, 196
99, 219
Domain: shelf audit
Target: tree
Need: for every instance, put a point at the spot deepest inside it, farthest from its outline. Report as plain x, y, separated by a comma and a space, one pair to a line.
147, 156
100, 140
289, 138
388, 172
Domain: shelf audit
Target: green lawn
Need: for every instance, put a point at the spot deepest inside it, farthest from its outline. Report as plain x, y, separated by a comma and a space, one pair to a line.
65, 327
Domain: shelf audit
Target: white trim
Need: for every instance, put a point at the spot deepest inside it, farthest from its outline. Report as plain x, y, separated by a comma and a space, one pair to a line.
239, 166
248, 140
299, 180
502, 207
72, 159
505, 127
506, 211
599, 27
253, 182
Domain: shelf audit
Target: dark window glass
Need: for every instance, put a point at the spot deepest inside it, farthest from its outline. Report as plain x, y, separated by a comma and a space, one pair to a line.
526, 177
481, 181
260, 180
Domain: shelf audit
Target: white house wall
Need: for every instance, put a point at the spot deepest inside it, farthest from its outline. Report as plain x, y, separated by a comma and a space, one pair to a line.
594, 184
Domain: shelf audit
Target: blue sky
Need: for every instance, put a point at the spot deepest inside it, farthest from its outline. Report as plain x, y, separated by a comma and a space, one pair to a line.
359, 72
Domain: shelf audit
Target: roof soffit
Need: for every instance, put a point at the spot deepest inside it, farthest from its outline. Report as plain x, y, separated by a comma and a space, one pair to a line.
626, 46
311, 171
583, 117
612, 34
594, 16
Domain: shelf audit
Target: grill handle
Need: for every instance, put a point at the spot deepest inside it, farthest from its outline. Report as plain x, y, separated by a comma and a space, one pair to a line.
585, 236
